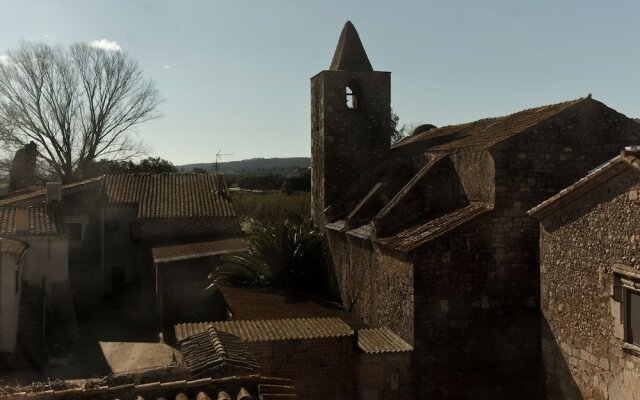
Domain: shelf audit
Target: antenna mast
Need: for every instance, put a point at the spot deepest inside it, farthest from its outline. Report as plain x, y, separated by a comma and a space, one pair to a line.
219, 157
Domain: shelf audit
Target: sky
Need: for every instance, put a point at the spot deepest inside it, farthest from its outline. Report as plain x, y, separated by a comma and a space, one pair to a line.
235, 74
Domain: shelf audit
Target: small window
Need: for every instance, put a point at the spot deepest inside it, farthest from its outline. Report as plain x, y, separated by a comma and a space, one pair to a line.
632, 317
111, 226
136, 236
353, 95
74, 231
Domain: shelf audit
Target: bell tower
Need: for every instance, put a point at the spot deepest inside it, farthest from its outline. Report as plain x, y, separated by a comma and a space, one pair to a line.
350, 125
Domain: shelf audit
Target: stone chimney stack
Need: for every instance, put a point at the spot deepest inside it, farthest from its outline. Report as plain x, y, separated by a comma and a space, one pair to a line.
23, 168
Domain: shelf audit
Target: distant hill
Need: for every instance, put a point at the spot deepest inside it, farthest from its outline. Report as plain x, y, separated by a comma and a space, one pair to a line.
257, 166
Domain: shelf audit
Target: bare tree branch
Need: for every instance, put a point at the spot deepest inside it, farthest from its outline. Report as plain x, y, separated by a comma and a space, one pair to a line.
77, 104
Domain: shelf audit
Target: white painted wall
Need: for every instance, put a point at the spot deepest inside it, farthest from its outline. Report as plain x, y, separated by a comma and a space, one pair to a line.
9, 302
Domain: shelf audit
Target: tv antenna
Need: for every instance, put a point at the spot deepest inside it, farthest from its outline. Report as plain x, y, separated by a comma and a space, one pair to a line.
219, 157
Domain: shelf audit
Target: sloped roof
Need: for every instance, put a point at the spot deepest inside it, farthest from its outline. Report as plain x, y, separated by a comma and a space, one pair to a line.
265, 303
210, 352
489, 131
11, 246
40, 222
171, 195
187, 251
38, 194
415, 236
273, 329
350, 54
381, 340
585, 185
234, 387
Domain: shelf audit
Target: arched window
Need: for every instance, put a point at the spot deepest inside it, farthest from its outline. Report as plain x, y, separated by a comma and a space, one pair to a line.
353, 95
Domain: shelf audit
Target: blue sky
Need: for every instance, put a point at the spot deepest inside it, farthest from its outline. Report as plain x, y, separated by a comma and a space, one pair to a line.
235, 74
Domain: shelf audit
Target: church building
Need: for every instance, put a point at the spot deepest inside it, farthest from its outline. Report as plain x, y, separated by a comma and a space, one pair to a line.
430, 236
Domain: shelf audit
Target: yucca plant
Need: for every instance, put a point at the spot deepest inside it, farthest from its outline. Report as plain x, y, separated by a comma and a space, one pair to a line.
283, 255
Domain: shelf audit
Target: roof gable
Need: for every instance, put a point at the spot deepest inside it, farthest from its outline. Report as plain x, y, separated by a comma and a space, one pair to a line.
603, 173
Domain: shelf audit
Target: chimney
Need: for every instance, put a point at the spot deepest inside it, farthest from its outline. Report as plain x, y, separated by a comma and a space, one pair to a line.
23, 168
22, 221
54, 192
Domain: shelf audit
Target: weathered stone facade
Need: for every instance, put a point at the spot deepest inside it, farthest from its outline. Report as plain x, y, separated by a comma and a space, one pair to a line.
23, 168
435, 242
588, 240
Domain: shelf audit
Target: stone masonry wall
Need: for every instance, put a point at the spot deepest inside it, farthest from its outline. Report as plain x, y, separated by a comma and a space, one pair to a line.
319, 368
375, 283
346, 142
583, 351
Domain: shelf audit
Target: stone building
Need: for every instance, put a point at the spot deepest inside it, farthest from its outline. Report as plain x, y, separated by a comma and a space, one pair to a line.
430, 237
589, 284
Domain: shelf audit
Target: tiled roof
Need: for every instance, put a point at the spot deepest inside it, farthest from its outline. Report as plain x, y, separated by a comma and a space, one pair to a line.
36, 195
361, 232
413, 237
489, 131
172, 195
594, 178
381, 340
211, 352
40, 223
12, 246
163, 254
263, 303
272, 330
233, 387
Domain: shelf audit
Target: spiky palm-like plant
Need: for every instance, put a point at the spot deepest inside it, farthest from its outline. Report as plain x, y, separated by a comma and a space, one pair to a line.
283, 255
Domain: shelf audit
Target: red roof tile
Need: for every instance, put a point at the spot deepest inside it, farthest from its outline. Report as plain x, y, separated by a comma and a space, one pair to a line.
172, 195
40, 222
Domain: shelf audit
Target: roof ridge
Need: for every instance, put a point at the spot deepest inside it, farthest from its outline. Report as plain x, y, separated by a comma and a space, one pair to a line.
498, 117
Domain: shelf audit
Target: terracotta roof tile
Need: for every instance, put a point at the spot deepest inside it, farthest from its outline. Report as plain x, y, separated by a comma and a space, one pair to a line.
40, 222
38, 194
239, 387
413, 237
381, 340
272, 330
163, 254
488, 131
263, 303
12, 246
172, 195
211, 352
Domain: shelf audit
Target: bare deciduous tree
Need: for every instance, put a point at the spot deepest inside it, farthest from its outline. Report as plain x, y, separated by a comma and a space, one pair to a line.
77, 104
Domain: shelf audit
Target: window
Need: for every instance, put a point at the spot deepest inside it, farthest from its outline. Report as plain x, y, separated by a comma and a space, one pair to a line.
353, 95
74, 231
135, 232
626, 292
632, 316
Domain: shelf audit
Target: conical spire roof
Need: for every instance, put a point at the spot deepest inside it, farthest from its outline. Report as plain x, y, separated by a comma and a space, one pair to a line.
350, 54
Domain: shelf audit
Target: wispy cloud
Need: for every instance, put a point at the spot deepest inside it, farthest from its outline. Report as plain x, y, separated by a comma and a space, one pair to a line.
5, 59
166, 66
46, 35
106, 44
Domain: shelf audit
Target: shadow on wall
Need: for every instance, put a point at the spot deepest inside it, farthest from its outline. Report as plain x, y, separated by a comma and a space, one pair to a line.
559, 382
